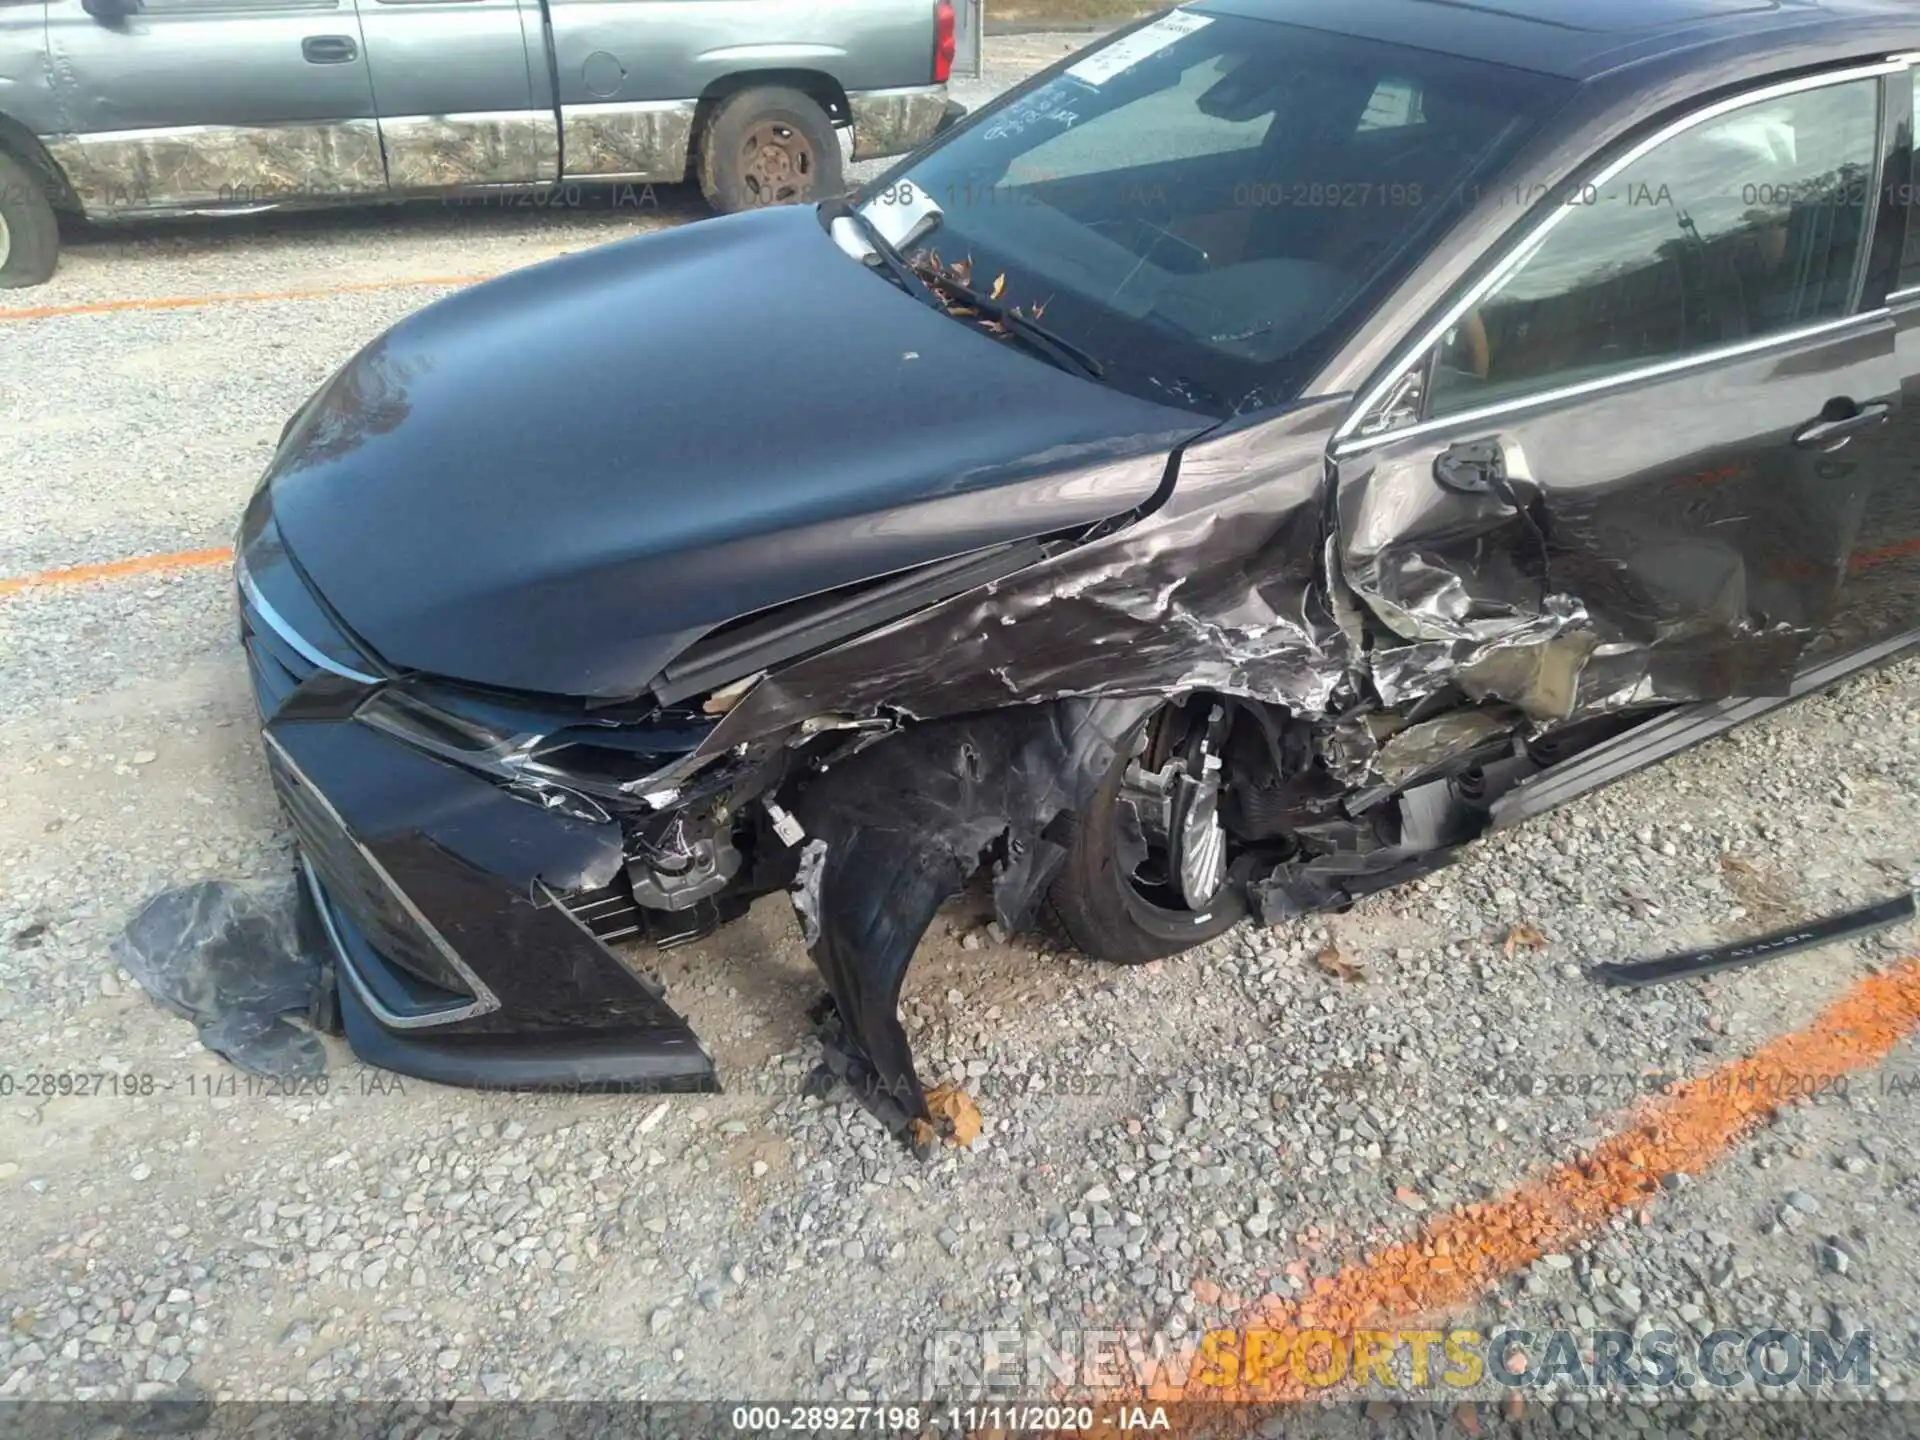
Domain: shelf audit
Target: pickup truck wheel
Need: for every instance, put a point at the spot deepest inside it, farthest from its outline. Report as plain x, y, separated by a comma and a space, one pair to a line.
768, 146
29, 235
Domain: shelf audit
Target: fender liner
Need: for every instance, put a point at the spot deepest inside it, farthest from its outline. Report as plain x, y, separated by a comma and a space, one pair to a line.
897, 831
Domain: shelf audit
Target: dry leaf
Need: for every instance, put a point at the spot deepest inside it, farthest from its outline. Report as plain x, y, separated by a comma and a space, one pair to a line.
1524, 937
1338, 966
955, 1113
999, 286
1767, 897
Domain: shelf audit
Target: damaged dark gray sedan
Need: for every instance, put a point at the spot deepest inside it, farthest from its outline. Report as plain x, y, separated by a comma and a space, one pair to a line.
1251, 460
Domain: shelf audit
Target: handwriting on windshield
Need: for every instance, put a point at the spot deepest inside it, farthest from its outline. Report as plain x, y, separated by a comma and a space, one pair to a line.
1042, 108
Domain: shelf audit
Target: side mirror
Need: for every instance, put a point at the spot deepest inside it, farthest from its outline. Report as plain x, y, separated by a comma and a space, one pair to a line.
111, 12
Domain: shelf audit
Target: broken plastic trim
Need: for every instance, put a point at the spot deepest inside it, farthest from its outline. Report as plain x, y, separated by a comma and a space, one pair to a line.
1851, 924
232, 959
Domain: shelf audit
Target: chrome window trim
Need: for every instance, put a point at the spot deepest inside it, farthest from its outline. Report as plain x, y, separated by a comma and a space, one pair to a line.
1900, 297
484, 1000
277, 623
1530, 244
1361, 444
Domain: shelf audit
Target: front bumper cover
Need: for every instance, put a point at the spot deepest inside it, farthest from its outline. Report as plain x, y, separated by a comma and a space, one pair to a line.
453, 910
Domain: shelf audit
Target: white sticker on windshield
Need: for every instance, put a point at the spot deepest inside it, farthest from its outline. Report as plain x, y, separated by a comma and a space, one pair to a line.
1103, 65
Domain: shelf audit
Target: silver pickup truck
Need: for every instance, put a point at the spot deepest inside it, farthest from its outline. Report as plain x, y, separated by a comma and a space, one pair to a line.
120, 108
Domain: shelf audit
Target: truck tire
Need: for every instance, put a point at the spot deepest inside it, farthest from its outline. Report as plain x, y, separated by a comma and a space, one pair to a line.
29, 235
771, 145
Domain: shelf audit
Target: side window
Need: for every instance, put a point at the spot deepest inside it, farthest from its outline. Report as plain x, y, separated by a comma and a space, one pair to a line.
1747, 225
1910, 261
1395, 105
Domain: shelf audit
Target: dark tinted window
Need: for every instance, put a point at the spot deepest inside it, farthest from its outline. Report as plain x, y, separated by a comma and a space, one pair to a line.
1745, 226
1208, 203
1910, 263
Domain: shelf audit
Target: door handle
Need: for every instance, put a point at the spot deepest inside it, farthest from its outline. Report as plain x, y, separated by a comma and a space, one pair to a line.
1473, 467
329, 49
1836, 425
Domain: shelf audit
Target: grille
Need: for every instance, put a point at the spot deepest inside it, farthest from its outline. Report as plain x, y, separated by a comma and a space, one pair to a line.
611, 914
357, 888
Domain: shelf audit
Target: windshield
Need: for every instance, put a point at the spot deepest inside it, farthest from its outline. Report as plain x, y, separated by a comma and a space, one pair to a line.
1207, 203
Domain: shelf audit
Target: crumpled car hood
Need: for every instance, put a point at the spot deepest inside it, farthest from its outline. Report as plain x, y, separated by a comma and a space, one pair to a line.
555, 481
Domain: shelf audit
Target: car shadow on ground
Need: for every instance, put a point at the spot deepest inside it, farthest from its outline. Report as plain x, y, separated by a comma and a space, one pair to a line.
591, 209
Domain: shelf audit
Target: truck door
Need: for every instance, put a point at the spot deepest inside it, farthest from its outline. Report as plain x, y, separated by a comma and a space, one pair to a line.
464, 93
207, 104
630, 75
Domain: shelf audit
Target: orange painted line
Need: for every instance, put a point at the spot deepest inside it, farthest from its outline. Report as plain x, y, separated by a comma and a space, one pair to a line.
1457, 1257
116, 569
239, 297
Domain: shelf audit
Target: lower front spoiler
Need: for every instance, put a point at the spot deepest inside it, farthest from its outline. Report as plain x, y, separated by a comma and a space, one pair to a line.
647, 1062
642, 1059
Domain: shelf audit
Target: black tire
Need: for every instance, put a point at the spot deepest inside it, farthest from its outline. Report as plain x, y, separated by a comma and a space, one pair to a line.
1101, 909
768, 146
29, 235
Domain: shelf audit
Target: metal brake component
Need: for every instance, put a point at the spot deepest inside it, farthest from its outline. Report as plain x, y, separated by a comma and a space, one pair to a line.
1177, 808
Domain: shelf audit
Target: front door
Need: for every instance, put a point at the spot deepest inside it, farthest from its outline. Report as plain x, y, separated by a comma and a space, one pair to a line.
212, 104
464, 93
1635, 462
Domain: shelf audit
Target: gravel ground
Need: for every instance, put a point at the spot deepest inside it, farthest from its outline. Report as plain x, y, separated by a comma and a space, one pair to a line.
1159, 1142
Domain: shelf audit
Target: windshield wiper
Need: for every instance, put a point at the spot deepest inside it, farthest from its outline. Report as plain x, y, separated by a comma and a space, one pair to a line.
891, 260
924, 284
1061, 351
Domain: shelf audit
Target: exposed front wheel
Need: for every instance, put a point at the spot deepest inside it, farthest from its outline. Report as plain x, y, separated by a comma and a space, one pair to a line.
768, 146
29, 235
1147, 875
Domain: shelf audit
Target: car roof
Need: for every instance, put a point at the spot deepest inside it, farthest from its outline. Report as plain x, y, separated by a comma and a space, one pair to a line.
1575, 39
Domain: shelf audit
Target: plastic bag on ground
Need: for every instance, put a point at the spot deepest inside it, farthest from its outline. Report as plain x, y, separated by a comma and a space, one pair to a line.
229, 958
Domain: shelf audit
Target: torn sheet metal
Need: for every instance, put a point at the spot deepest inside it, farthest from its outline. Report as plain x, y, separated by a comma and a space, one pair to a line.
225, 166
1221, 590
898, 830
1582, 560
630, 140
1433, 743
448, 152
892, 122
231, 959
